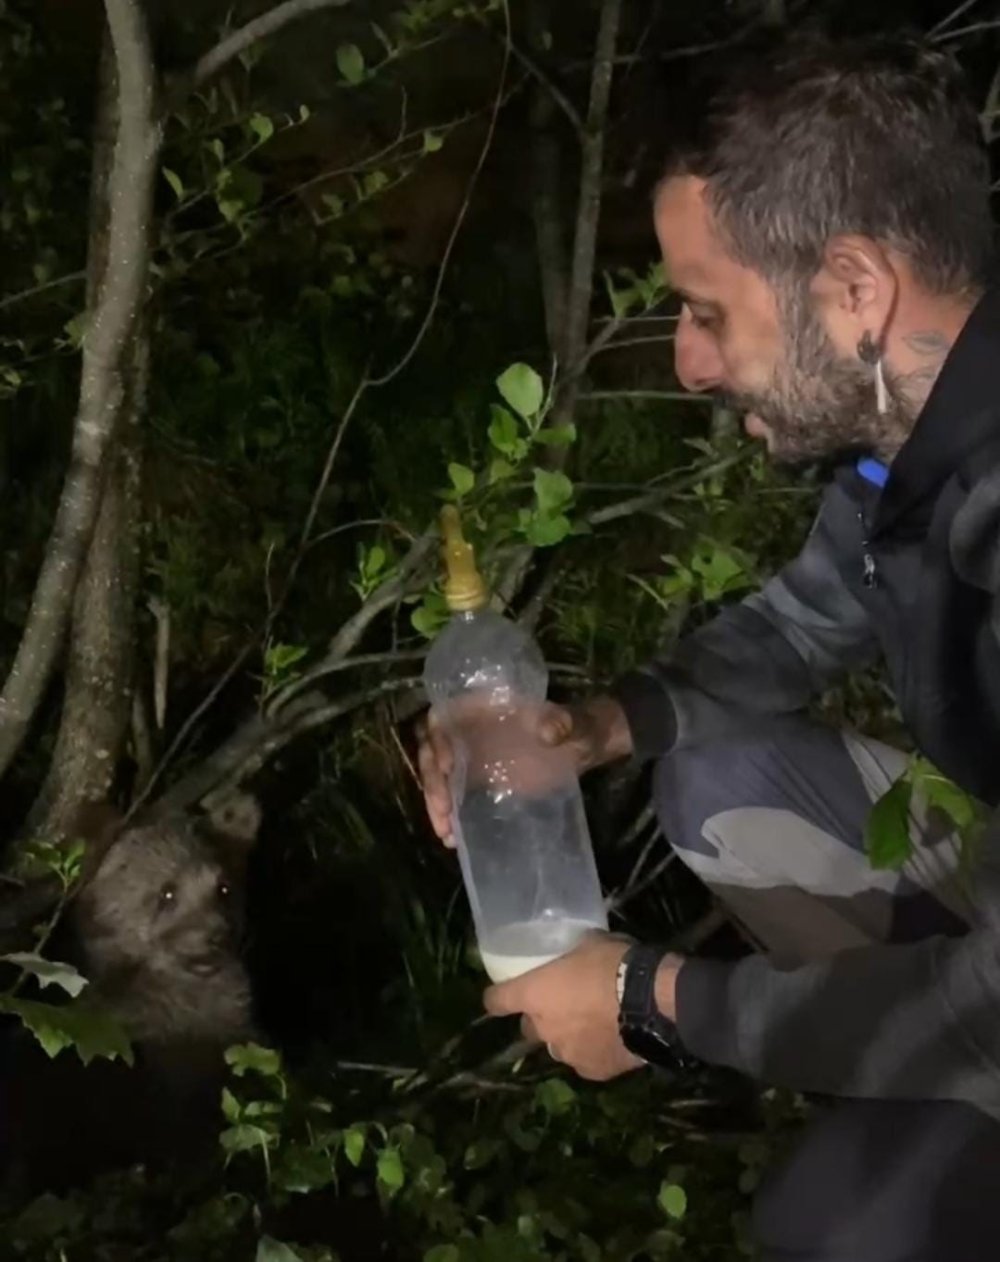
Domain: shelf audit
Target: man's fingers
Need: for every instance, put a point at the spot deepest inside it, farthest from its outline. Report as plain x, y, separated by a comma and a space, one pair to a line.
556, 725
436, 792
530, 1030
441, 746
503, 1000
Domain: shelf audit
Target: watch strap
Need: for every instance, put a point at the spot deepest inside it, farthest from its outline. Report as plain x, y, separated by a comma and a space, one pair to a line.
644, 1029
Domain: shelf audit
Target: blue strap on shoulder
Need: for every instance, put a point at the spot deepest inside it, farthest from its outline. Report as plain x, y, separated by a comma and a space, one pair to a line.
873, 470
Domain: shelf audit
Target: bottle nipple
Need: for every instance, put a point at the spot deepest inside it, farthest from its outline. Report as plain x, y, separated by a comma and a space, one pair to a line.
464, 589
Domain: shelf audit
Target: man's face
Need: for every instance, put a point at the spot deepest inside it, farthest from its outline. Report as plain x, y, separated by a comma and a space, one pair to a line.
770, 359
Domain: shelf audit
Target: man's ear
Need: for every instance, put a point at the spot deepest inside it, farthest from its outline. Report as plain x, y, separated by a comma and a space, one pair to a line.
858, 285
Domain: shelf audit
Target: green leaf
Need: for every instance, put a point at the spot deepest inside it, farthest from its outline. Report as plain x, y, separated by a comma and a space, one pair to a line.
303, 1169
244, 1138
247, 1057
280, 658
943, 793
557, 435
390, 1169
720, 571
442, 1253
887, 830
553, 491
503, 432
333, 203
351, 63
88, 1030
175, 182
462, 478
48, 972
76, 329
505, 436
430, 616
262, 127
432, 142
374, 182
522, 389
354, 1145
270, 1250
543, 531
500, 469
673, 1200
304, 113
555, 1096
481, 1153
230, 1106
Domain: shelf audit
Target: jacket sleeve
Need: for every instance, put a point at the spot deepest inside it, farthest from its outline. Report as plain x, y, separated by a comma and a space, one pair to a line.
768, 654
918, 1021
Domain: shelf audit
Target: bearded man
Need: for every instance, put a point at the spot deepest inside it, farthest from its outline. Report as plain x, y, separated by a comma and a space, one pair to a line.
829, 233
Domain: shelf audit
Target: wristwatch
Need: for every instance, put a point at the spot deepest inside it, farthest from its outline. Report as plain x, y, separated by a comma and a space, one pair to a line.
644, 1030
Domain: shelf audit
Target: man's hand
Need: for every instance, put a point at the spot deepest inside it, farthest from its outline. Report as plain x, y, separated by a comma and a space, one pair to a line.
572, 1006
590, 734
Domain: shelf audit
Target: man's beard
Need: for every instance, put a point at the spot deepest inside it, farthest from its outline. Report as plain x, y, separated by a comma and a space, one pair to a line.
818, 406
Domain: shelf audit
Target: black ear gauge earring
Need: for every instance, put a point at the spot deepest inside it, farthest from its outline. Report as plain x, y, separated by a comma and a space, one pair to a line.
870, 354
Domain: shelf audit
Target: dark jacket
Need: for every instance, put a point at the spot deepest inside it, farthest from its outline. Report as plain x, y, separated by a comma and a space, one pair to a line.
910, 573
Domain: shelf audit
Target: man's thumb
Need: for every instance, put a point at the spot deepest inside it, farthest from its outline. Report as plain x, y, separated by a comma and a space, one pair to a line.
556, 726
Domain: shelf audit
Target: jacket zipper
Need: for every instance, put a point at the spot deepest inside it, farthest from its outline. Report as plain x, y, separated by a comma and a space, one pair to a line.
870, 571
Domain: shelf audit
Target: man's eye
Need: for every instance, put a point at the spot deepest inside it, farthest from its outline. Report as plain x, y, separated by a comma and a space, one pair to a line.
703, 321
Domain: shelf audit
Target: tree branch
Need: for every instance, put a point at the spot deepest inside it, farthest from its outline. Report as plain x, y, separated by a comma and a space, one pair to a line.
105, 345
384, 597
70, 279
654, 498
254, 744
459, 218
571, 345
245, 37
591, 179
953, 16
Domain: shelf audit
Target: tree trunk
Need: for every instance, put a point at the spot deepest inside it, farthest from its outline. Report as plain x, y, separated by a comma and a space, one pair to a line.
124, 251
100, 661
100, 653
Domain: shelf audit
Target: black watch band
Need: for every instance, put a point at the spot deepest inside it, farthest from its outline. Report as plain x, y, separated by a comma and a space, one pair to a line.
644, 1030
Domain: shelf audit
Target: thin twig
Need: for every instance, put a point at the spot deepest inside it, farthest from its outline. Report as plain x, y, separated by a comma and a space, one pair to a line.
632, 341
672, 396
653, 498
186, 727
25, 294
955, 14
553, 89
463, 210
962, 31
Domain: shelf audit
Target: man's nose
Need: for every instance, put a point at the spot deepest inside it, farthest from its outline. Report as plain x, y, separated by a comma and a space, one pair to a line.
696, 358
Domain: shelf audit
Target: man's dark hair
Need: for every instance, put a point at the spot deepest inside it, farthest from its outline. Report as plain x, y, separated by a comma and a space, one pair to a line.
874, 136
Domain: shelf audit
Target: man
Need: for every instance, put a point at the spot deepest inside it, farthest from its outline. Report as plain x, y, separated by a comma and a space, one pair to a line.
830, 236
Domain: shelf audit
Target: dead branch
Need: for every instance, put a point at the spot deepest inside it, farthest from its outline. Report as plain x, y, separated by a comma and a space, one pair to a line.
105, 345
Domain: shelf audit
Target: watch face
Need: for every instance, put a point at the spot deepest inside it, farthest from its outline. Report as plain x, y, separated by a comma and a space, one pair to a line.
644, 1043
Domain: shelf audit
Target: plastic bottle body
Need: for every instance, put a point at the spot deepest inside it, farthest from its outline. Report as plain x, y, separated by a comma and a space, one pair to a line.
518, 815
